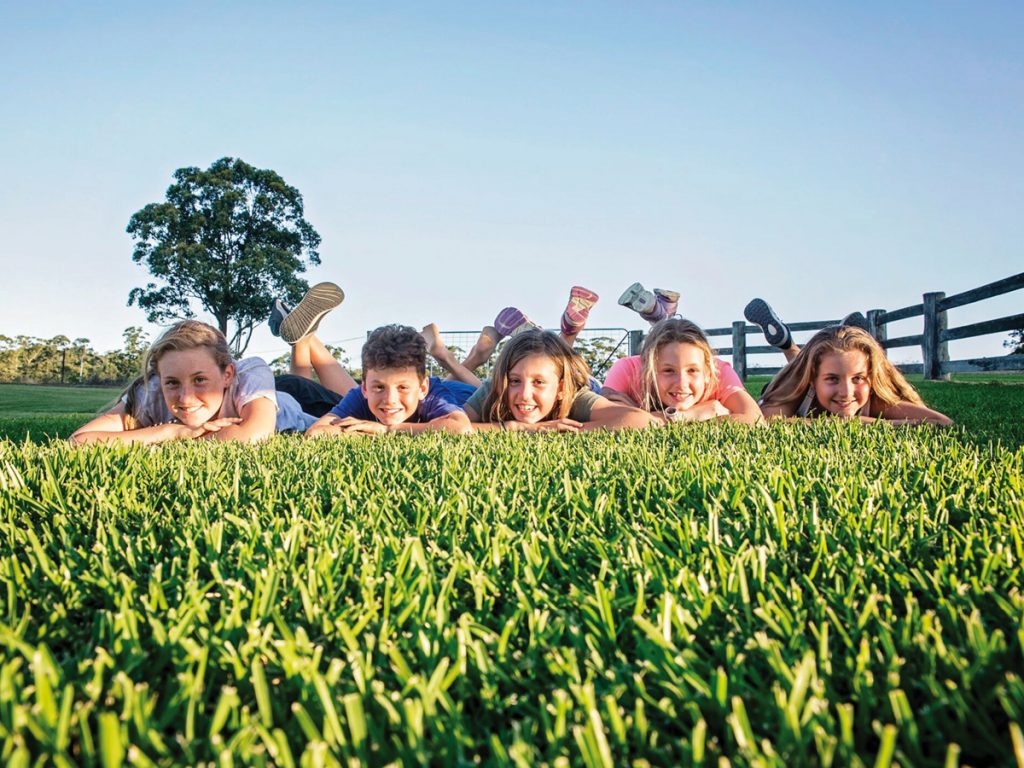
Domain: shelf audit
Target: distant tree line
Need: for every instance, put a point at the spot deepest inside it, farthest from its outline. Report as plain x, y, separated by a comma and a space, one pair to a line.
60, 360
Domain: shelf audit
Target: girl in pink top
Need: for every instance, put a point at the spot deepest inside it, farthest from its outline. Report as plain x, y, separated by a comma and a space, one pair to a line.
677, 377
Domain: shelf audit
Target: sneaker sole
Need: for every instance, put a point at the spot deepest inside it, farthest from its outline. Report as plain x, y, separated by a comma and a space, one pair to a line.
581, 301
631, 298
759, 313
508, 320
630, 295
304, 319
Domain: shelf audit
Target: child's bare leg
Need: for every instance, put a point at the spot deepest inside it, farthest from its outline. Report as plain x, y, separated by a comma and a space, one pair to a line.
309, 354
331, 373
445, 358
302, 363
483, 349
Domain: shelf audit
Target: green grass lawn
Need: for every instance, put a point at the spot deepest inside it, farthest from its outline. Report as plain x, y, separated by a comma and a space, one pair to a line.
41, 412
803, 594
28, 400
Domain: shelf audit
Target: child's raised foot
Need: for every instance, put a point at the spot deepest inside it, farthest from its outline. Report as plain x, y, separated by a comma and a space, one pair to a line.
304, 319
432, 336
639, 299
776, 332
669, 300
581, 300
278, 313
511, 321
483, 349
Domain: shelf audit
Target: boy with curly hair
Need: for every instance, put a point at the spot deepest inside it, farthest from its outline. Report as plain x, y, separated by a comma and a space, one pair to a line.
396, 394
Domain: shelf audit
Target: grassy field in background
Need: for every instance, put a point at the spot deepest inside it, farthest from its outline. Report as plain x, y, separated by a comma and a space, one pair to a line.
822, 594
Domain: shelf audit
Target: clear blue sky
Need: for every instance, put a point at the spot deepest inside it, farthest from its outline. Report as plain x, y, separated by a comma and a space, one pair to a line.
459, 157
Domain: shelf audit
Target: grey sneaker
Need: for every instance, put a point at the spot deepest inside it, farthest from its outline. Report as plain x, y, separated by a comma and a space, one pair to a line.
639, 299
776, 332
304, 319
278, 313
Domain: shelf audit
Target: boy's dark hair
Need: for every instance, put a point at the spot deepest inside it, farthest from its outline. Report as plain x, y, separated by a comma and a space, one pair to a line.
395, 346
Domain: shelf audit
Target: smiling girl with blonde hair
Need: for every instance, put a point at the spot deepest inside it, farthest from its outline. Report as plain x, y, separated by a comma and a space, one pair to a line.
843, 371
677, 377
190, 388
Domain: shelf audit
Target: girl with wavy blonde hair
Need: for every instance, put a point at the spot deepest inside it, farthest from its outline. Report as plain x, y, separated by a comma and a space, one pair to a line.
191, 387
677, 377
844, 372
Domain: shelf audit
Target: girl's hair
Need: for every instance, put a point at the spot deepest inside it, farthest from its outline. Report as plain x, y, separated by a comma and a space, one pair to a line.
791, 384
573, 373
672, 330
183, 335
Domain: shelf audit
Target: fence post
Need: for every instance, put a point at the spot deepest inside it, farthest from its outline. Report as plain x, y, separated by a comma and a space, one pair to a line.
739, 349
636, 339
877, 328
934, 352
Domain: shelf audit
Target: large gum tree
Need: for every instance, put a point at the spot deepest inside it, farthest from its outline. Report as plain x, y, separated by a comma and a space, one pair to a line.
230, 239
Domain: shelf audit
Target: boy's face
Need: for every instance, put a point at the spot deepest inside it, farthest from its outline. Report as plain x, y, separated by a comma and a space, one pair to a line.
393, 394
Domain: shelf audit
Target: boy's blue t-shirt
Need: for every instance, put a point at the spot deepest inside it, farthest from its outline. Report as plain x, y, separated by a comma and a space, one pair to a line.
443, 397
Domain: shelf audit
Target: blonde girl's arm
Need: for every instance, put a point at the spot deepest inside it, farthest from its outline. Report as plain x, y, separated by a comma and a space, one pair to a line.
111, 428
608, 414
911, 413
742, 408
556, 425
257, 421
478, 424
618, 397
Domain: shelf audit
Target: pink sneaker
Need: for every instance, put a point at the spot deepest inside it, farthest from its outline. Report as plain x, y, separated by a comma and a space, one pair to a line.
581, 300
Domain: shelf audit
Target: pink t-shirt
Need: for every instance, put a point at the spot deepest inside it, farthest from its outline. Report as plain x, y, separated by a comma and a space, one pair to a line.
624, 376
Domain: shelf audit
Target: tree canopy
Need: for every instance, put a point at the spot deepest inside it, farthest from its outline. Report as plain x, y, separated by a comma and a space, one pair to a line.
231, 239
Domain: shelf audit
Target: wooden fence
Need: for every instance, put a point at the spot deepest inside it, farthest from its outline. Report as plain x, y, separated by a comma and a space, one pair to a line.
934, 337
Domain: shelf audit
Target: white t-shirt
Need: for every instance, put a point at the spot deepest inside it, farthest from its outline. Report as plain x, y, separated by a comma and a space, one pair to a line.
253, 379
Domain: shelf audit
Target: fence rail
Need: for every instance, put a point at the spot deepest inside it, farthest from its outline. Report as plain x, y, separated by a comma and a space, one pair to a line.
934, 337
601, 346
